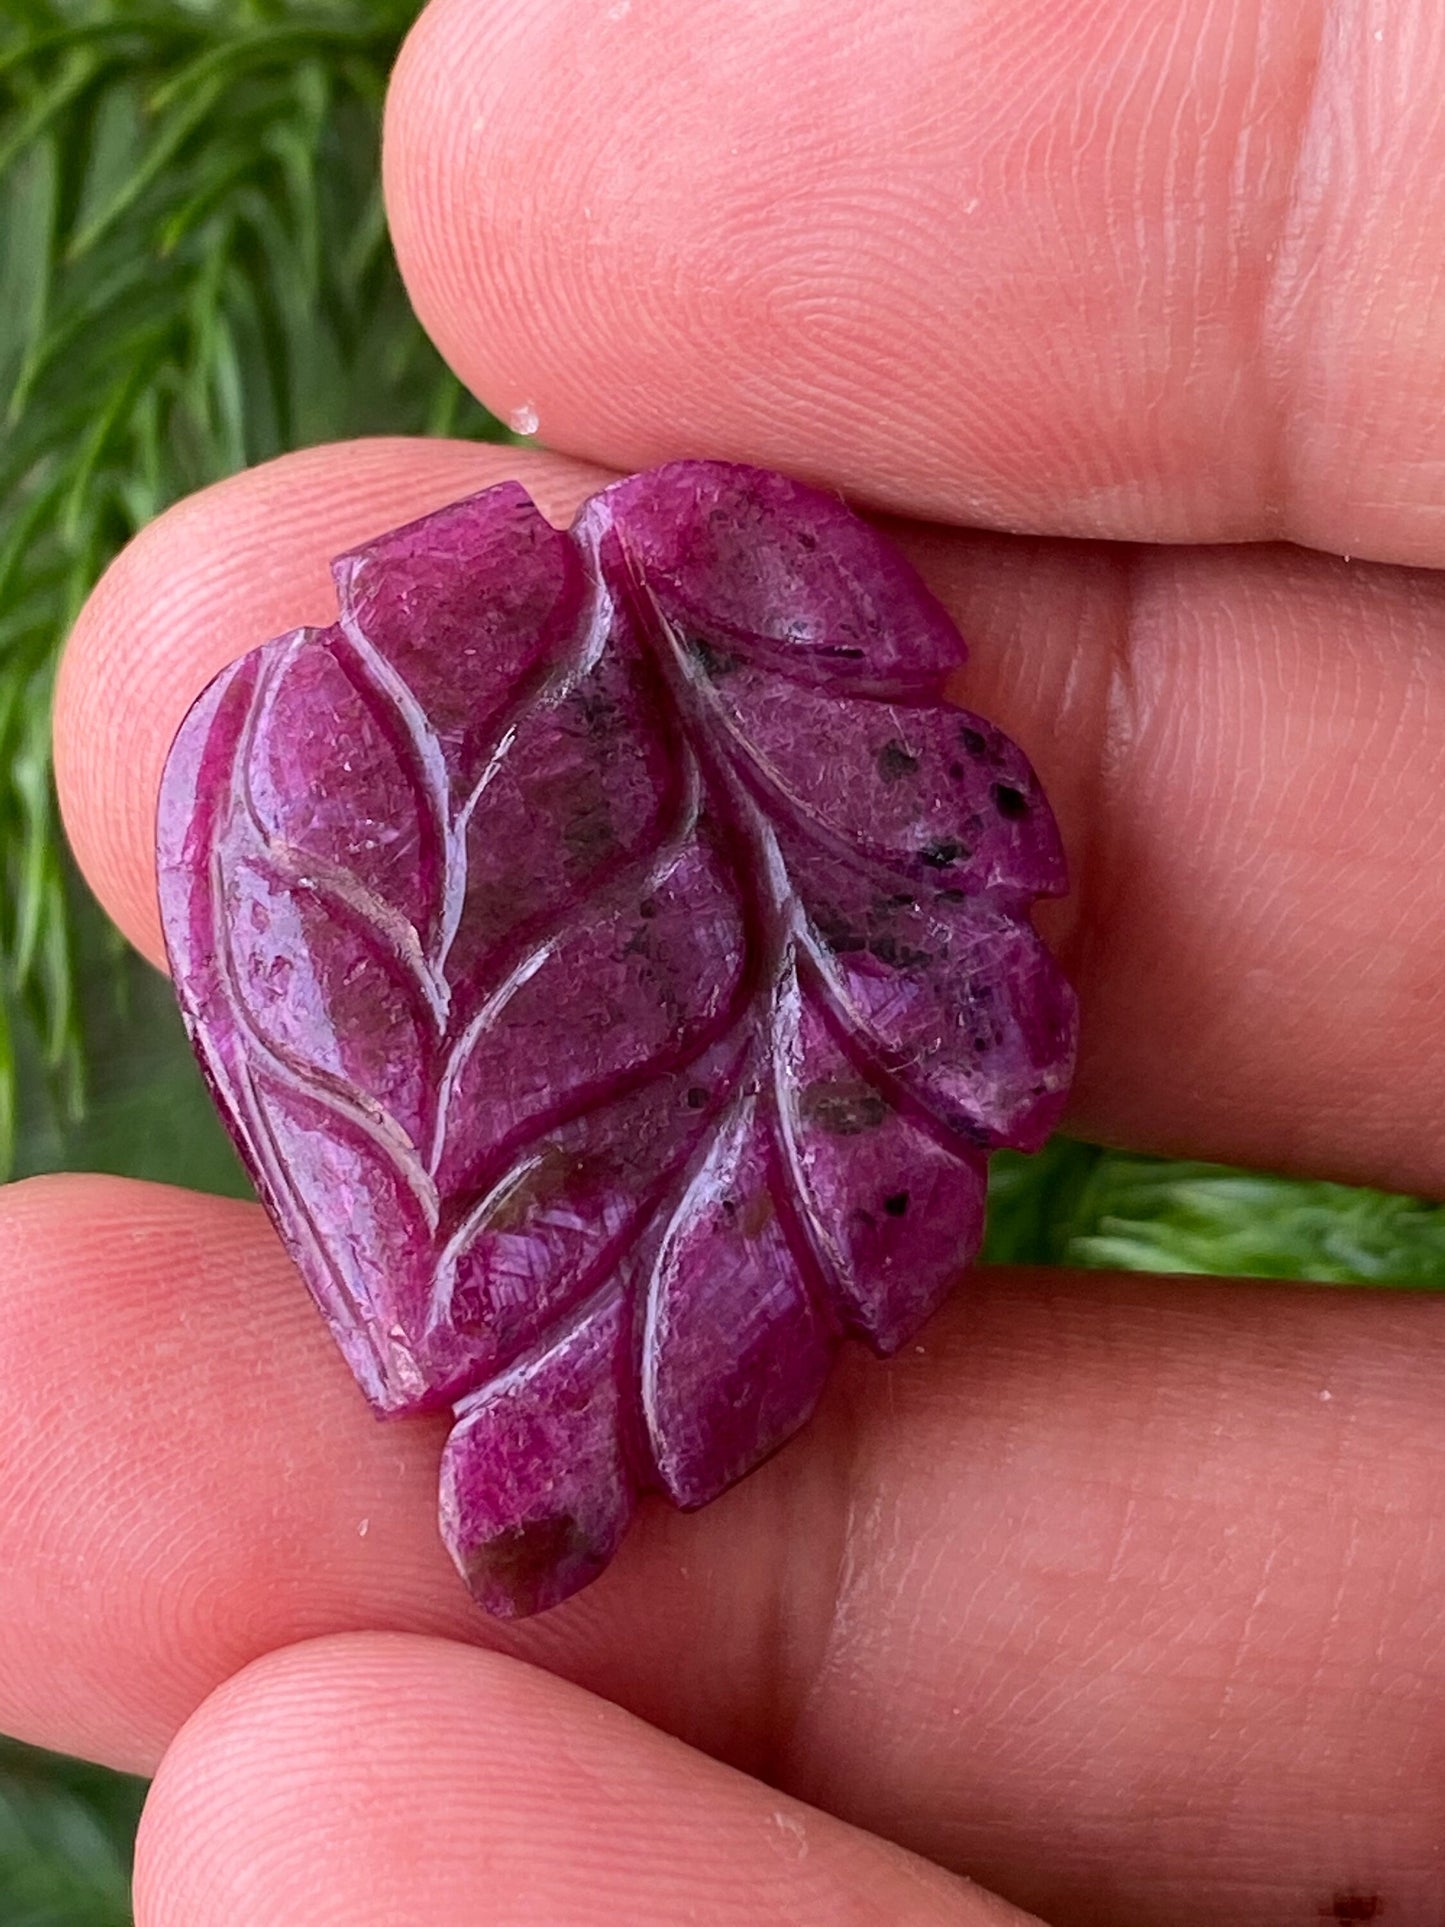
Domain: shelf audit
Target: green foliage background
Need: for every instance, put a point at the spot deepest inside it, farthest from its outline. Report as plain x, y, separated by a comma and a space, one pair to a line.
194, 276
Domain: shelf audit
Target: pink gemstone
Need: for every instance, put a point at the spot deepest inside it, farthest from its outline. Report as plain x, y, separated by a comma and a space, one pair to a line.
612, 958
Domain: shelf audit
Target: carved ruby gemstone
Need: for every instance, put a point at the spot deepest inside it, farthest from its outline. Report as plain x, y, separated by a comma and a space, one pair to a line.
611, 955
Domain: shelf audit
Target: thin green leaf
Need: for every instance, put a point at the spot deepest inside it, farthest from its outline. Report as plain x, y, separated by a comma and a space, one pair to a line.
274, 47
34, 49
92, 449
180, 123
7, 1093
114, 140
27, 244
47, 108
30, 775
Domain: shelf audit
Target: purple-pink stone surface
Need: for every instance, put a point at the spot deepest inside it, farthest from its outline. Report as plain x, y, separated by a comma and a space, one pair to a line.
611, 956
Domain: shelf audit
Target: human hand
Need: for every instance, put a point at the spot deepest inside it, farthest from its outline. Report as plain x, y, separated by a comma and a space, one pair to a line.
1119, 1596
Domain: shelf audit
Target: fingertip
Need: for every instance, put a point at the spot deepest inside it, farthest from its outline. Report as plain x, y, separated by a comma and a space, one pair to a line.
985, 264
379, 1778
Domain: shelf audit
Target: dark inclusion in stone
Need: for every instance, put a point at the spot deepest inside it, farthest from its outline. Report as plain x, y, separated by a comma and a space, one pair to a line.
611, 955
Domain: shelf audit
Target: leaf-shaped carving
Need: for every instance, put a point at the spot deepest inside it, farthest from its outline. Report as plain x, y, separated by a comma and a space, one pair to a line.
611, 956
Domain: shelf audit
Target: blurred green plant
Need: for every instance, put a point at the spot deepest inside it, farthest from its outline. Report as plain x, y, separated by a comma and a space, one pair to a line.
1075, 1204
194, 276
65, 1841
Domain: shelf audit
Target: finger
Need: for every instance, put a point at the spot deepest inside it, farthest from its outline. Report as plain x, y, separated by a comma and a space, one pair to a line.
1119, 1595
1121, 269
374, 1781
1245, 749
